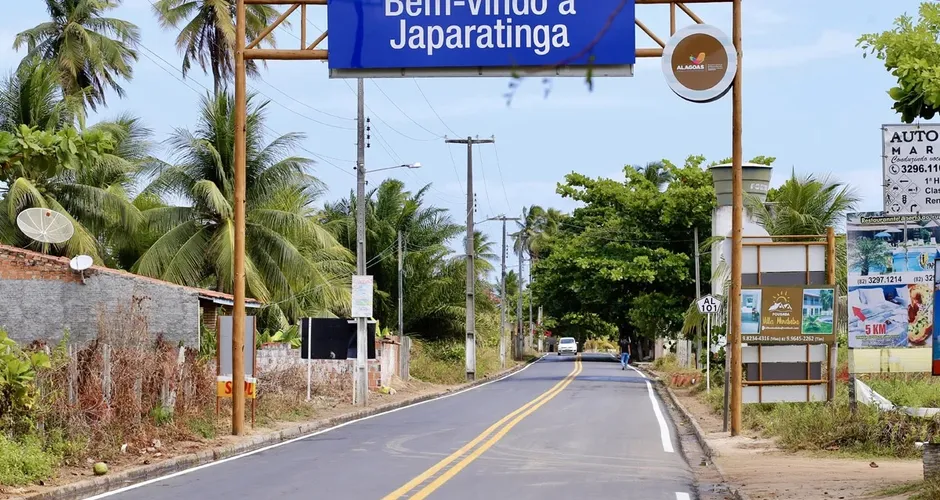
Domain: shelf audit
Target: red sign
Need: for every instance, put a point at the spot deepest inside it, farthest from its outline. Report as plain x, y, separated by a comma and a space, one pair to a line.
548, 333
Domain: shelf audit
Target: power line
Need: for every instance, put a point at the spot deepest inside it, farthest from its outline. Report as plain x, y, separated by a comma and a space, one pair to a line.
486, 190
501, 179
415, 80
324, 158
379, 118
437, 136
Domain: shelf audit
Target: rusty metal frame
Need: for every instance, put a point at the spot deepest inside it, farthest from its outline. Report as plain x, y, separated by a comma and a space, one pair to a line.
311, 52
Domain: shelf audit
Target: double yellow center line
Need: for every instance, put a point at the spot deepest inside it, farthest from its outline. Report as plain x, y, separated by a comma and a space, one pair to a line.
471, 451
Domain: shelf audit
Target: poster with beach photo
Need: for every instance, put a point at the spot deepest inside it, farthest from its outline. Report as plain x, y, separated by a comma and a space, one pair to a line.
890, 279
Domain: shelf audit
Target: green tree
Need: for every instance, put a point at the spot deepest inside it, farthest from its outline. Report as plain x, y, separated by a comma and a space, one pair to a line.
911, 53
624, 259
292, 261
78, 39
208, 33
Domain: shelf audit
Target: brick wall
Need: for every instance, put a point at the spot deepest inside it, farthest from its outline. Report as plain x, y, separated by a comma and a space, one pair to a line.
41, 297
323, 371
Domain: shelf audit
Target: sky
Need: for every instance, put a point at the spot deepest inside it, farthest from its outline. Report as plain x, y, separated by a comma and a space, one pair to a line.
810, 99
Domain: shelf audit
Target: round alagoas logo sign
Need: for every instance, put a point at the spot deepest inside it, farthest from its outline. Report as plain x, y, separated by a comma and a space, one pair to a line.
699, 63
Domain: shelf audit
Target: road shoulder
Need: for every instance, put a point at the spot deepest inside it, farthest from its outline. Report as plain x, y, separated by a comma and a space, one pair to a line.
755, 468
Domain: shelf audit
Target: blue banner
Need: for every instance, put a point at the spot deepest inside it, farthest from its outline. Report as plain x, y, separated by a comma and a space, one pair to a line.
385, 34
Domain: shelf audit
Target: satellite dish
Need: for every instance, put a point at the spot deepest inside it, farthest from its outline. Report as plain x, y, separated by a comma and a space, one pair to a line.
80, 262
45, 225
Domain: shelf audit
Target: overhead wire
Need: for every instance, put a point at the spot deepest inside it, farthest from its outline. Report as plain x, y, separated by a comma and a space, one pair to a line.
486, 190
406, 115
322, 157
415, 80
501, 179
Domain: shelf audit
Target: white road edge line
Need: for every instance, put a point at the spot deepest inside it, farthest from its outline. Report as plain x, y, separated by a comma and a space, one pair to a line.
683, 496
663, 426
301, 438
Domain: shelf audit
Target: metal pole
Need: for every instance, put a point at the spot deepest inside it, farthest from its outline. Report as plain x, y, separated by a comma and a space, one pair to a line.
360, 375
698, 294
238, 311
502, 302
471, 356
401, 308
708, 354
737, 221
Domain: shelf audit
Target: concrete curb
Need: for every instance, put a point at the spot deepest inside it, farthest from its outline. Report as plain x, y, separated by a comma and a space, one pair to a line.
104, 484
697, 430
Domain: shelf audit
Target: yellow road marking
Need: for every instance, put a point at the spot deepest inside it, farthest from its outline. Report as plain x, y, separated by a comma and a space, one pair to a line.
519, 414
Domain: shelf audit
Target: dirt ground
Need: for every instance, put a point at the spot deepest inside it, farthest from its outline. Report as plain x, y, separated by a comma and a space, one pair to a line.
324, 408
760, 470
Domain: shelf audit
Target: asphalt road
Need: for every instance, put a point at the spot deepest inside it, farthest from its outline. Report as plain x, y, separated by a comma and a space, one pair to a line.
561, 428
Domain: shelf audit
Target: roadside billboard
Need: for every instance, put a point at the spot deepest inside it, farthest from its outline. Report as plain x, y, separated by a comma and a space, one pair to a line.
406, 38
890, 279
787, 315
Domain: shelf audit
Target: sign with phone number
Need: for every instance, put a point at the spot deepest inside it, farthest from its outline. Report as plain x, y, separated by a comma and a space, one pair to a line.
888, 279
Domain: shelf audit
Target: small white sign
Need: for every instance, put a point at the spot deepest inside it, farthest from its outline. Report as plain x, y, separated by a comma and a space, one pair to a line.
362, 296
709, 305
911, 168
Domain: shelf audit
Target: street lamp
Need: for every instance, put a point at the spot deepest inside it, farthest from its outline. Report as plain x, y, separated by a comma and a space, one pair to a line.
361, 378
416, 164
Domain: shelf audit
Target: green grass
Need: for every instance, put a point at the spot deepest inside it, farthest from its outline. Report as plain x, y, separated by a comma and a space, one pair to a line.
915, 389
24, 461
442, 362
917, 490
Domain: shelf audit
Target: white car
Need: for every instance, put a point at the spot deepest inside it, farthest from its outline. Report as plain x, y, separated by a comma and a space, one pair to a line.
567, 345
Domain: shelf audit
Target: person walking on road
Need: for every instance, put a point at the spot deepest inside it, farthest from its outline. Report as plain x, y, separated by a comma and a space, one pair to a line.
624, 352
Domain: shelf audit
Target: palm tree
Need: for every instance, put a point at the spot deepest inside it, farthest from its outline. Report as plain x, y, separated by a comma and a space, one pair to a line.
803, 206
31, 95
88, 178
292, 261
425, 230
536, 231
657, 173
868, 251
208, 33
77, 39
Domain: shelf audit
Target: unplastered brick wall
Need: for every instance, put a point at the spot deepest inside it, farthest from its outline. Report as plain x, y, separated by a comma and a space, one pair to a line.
41, 297
323, 371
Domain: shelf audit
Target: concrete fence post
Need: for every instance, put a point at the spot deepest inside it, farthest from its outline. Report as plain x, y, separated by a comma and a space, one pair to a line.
106, 373
931, 461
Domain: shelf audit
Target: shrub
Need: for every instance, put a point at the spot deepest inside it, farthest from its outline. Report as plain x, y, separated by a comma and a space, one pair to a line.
18, 384
24, 461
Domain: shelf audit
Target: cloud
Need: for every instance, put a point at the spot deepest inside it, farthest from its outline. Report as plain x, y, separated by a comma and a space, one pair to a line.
831, 44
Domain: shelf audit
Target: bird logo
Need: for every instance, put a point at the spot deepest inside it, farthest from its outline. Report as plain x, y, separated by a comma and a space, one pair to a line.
698, 60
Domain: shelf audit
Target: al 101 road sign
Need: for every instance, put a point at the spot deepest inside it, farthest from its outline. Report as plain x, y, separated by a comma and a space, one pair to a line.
708, 305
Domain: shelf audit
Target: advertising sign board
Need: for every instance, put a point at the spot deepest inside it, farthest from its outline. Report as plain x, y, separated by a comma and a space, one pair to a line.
478, 36
911, 168
787, 315
699, 63
890, 279
362, 296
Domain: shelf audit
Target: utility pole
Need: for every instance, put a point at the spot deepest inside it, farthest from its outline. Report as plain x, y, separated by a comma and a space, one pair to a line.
517, 347
698, 295
502, 293
401, 305
238, 311
737, 225
531, 324
471, 356
361, 375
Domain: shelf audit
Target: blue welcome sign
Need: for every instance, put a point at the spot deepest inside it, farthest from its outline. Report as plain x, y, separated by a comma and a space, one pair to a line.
447, 34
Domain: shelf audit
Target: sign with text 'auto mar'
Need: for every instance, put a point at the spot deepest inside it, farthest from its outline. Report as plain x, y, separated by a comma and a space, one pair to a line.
787, 315
416, 34
911, 168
